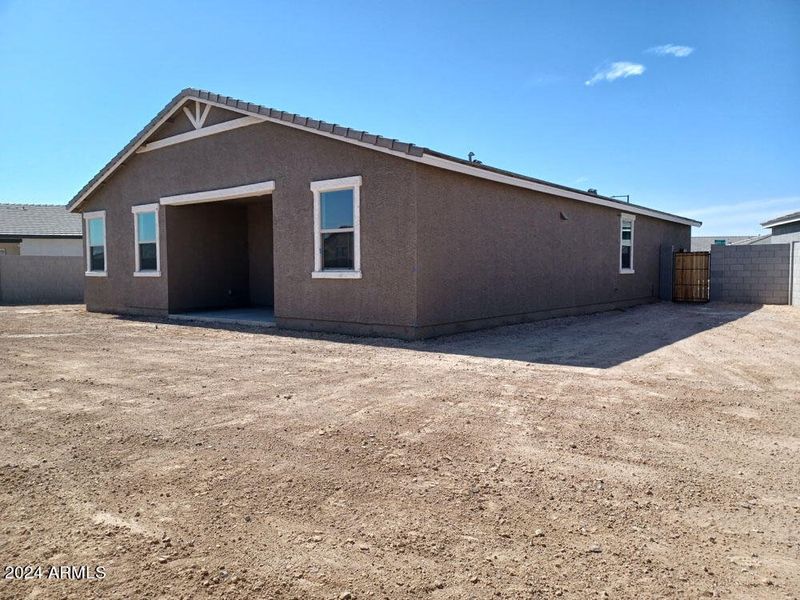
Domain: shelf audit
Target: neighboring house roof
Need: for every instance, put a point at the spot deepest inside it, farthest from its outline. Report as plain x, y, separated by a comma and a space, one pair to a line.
784, 220
703, 243
364, 139
759, 239
38, 220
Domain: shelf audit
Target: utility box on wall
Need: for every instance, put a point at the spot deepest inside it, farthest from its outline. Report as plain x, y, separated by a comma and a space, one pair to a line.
665, 272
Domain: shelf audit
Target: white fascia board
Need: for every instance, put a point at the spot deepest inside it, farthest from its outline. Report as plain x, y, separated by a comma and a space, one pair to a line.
133, 149
124, 157
241, 191
428, 159
443, 163
770, 225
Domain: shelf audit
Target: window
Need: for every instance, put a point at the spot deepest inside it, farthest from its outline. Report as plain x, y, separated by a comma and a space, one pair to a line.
719, 242
337, 229
145, 225
96, 255
626, 243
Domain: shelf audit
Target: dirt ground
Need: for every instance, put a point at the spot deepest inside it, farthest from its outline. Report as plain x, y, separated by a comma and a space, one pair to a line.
647, 453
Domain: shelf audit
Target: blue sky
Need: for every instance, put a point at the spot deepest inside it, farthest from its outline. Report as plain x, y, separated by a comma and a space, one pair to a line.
574, 92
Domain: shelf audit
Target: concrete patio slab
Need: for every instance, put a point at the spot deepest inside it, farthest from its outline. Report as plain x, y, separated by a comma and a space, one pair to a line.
258, 315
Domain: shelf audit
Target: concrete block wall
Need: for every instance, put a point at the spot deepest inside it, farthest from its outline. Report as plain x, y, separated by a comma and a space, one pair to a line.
41, 279
796, 273
757, 274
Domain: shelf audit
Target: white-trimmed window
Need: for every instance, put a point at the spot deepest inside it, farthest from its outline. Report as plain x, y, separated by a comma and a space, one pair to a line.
337, 228
96, 255
147, 250
626, 223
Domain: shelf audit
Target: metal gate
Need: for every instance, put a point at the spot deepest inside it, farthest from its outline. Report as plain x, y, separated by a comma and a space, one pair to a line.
690, 276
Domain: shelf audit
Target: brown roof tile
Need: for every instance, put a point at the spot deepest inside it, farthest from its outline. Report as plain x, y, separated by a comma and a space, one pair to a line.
336, 130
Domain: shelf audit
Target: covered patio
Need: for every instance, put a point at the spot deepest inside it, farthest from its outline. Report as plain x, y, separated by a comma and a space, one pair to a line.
220, 255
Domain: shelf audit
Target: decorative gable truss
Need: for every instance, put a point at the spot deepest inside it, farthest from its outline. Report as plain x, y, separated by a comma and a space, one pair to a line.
197, 115
197, 119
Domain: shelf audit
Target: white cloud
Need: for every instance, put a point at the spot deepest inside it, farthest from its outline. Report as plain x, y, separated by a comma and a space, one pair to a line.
671, 49
761, 204
542, 80
741, 218
615, 71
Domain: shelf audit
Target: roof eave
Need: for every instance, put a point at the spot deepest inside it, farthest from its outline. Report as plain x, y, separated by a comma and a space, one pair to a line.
130, 148
486, 172
381, 144
778, 223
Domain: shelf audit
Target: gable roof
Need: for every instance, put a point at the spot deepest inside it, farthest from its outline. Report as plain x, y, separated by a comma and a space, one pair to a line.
784, 220
38, 220
361, 138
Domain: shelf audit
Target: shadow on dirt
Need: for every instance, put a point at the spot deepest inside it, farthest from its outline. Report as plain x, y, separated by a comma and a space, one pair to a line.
600, 340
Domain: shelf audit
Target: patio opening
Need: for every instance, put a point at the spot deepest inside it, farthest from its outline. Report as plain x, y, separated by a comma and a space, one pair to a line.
220, 261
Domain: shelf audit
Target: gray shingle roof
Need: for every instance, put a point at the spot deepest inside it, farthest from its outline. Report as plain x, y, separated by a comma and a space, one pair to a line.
346, 133
790, 218
38, 220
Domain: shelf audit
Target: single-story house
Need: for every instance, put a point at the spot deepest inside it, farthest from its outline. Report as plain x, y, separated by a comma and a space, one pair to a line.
221, 203
784, 229
39, 230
